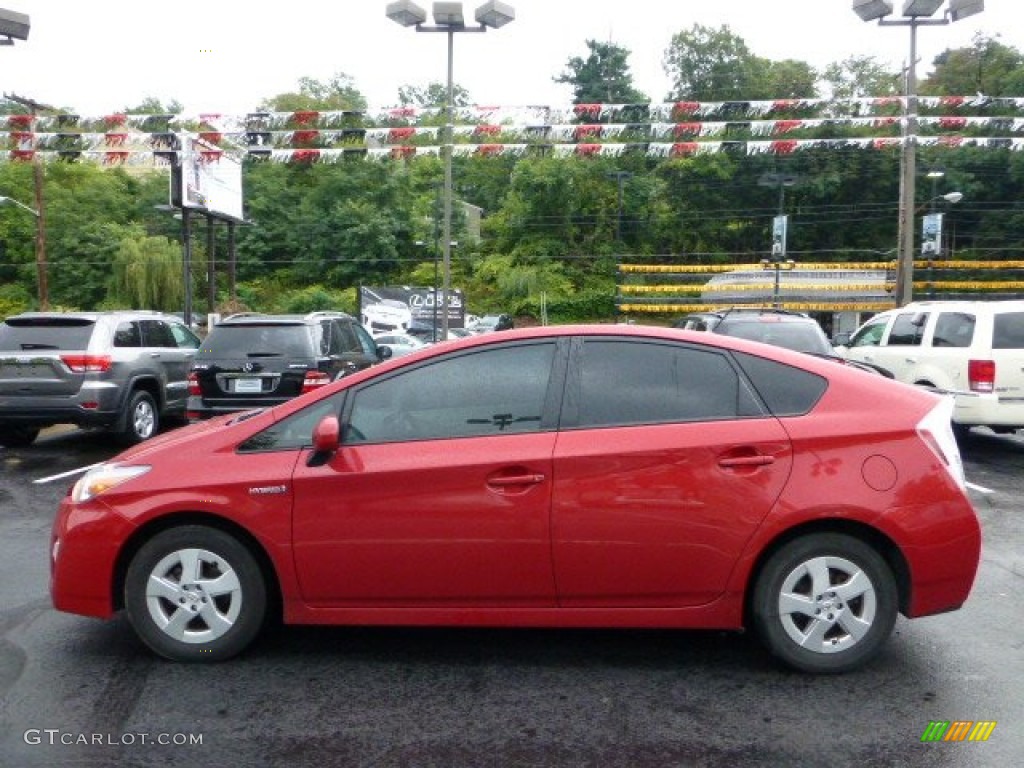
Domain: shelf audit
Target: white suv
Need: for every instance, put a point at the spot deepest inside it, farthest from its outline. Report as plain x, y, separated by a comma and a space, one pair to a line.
971, 349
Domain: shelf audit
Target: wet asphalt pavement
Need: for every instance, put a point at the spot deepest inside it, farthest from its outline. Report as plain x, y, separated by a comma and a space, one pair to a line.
81, 692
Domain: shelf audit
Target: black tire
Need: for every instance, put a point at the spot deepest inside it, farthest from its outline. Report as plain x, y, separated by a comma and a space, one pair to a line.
212, 616
961, 432
141, 419
18, 437
834, 620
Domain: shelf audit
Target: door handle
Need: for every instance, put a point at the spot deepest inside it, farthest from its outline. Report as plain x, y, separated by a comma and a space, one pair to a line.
516, 480
747, 461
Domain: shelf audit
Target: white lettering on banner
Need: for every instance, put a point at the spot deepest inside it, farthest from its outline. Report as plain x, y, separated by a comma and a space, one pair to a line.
56, 737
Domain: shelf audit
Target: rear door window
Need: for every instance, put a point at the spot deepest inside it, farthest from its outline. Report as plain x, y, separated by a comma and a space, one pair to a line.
953, 329
621, 383
127, 334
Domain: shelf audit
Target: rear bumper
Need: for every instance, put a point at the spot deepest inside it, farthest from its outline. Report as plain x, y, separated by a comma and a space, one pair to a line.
977, 409
49, 415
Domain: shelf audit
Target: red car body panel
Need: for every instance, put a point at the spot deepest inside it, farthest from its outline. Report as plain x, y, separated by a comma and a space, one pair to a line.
646, 526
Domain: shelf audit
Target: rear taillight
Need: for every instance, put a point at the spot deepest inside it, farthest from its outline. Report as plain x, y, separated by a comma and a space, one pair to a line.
193, 385
936, 430
87, 363
314, 380
981, 374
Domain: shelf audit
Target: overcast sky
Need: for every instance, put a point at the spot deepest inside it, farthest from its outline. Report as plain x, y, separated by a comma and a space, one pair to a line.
225, 56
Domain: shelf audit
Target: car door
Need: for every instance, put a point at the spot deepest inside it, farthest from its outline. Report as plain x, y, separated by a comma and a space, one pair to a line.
664, 467
898, 348
172, 347
440, 493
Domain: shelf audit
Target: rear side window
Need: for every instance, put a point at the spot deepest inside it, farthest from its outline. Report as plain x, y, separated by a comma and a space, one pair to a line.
1008, 331
227, 341
639, 382
953, 329
21, 334
787, 391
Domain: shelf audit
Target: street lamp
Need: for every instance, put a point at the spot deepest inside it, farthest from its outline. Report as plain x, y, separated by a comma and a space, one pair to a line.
931, 230
448, 19
916, 13
13, 26
44, 301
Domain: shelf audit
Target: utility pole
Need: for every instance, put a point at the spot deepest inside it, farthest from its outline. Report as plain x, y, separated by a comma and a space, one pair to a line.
34, 108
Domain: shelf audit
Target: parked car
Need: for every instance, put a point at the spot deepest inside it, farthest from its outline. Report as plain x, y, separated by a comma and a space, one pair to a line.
258, 361
575, 476
973, 350
779, 327
489, 323
399, 343
125, 372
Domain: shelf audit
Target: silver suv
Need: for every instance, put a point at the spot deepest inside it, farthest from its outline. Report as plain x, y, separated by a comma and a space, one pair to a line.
124, 371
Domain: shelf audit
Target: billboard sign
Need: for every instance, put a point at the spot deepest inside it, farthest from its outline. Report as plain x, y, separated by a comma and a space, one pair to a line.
207, 179
401, 308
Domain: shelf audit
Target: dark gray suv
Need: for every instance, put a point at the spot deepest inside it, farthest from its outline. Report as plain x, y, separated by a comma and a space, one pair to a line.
124, 371
259, 361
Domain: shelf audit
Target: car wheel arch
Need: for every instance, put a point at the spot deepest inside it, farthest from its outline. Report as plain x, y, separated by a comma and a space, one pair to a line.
882, 544
147, 531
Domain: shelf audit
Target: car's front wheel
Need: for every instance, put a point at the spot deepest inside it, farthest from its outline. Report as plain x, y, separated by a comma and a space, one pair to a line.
825, 603
195, 593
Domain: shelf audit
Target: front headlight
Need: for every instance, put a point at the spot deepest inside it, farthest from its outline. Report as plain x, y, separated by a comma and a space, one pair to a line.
103, 478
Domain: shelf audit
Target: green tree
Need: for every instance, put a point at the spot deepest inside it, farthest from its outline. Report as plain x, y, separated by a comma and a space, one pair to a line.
151, 105
988, 67
146, 272
860, 76
602, 77
337, 93
707, 64
433, 94
790, 79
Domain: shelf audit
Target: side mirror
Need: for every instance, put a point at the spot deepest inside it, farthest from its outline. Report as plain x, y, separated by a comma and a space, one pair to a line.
327, 435
383, 353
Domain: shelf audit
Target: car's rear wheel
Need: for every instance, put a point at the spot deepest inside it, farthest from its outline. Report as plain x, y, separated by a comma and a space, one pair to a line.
825, 603
18, 437
195, 594
141, 418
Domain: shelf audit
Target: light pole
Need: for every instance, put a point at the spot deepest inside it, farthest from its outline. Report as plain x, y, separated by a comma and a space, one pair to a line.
448, 19
44, 300
916, 13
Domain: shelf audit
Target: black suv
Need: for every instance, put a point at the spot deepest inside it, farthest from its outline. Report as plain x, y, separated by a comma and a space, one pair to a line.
778, 327
257, 361
123, 371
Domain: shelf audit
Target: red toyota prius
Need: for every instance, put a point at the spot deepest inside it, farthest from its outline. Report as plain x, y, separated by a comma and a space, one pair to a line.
573, 476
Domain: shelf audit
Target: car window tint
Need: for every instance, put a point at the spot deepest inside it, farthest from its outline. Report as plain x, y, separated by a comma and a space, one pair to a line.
907, 329
127, 335
871, 334
953, 329
156, 333
1008, 331
638, 382
348, 342
787, 391
482, 393
21, 334
365, 340
296, 431
234, 341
